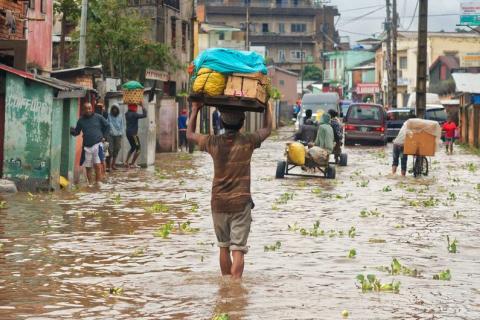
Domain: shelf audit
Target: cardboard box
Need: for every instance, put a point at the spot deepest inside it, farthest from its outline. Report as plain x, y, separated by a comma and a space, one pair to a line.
248, 85
420, 144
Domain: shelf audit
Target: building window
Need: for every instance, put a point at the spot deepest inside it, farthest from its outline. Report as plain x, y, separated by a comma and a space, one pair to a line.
281, 55
403, 63
252, 27
264, 27
221, 36
173, 27
299, 27
297, 55
43, 6
295, 3
31, 4
246, 2
242, 26
281, 28
282, 82
184, 36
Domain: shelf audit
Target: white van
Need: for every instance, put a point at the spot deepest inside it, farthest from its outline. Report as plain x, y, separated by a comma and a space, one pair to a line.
318, 103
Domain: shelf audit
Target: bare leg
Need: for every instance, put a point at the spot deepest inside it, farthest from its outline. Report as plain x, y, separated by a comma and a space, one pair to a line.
98, 172
89, 175
451, 147
238, 264
113, 163
128, 159
394, 169
225, 261
404, 173
135, 157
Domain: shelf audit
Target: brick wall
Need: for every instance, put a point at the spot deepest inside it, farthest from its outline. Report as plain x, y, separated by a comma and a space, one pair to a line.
17, 8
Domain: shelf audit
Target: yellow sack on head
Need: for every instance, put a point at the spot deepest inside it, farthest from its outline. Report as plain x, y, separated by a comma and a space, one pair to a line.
209, 82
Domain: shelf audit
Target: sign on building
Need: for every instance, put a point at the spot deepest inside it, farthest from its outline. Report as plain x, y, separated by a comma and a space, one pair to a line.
367, 88
470, 13
152, 74
470, 60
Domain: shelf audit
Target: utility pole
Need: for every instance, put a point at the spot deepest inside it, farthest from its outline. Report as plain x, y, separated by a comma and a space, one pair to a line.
394, 54
301, 63
388, 26
247, 32
421, 98
323, 37
82, 51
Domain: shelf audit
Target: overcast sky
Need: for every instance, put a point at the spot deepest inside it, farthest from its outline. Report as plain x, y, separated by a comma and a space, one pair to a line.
444, 14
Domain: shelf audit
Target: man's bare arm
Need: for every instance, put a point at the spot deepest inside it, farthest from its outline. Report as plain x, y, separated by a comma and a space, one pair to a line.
266, 130
192, 136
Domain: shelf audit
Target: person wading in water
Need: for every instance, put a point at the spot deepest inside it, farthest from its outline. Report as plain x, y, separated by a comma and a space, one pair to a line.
231, 199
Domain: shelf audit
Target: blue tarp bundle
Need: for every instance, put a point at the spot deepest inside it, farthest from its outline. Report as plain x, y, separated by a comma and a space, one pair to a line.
230, 61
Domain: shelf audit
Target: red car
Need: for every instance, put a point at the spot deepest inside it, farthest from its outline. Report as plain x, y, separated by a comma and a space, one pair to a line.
365, 122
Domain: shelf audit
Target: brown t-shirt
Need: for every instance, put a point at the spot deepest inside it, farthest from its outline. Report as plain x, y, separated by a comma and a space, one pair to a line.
231, 153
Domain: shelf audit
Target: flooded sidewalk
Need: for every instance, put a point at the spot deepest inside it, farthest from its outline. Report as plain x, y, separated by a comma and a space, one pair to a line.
142, 246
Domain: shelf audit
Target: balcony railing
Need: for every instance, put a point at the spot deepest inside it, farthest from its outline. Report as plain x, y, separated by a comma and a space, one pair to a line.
172, 3
264, 4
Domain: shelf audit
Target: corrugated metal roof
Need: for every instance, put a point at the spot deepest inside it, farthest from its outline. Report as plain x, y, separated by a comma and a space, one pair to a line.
80, 91
467, 82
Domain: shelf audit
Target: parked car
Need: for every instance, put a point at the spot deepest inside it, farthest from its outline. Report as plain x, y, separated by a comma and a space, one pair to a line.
365, 122
318, 103
395, 120
344, 105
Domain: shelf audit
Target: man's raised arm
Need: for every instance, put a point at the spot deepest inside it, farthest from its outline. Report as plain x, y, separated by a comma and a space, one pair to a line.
266, 130
192, 136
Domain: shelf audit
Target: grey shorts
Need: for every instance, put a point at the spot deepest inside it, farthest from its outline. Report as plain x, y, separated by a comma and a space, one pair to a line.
232, 229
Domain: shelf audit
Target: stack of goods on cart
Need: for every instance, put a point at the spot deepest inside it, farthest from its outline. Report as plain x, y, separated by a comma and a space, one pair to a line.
132, 92
229, 77
420, 137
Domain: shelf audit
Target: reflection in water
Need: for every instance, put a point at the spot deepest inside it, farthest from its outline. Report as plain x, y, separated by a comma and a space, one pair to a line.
62, 253
232, 298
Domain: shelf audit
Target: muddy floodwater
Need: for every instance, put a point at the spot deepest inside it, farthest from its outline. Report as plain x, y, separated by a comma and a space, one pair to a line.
109, 253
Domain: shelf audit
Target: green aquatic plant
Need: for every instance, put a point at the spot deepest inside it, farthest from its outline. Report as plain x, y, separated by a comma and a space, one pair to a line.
285, 197
372, 283
117, 199
158, 207
387, 189
273, 247
222, 316
352, 253
164, 231
138, 252
3, 204
458, 215
396, 268
115, 291
452, 196
294, 227
472, 167
443, 275
186, 228
316, 190
363, 183
352, 232
372, 213
345, 313
452, 246
373, 240
411, 189
477, 187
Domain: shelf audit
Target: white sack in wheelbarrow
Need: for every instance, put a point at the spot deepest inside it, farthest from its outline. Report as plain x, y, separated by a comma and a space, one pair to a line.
415, 125
319, 155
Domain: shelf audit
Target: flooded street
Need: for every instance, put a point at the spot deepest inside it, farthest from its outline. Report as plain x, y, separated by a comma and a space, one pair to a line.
110, 253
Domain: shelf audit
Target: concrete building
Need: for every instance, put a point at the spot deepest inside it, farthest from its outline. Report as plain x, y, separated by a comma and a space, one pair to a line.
26, 34
338, 64
286, 82
452, 44
468, 88
171, 24
292, 31
220, 36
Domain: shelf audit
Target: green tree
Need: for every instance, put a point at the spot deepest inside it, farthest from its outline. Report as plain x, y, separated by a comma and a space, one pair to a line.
117, 38
312, 72
70, 12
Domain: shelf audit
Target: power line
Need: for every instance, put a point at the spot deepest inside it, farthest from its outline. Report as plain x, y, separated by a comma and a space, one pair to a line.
362, 16
413, 17
357, 33
363, 8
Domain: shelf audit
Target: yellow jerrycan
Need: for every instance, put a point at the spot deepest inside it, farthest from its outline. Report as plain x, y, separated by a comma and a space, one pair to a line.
296, 153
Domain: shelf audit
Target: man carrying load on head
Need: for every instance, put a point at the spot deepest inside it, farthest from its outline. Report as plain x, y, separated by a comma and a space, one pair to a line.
231, 199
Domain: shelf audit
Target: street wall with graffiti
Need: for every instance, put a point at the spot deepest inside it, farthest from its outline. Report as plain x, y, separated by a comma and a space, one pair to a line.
28, 131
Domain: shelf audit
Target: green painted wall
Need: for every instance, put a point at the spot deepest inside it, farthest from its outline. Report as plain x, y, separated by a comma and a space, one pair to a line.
67, 162
28, 128
56, 145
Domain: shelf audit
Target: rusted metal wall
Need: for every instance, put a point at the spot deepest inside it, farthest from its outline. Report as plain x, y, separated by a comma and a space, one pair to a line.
16, 7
